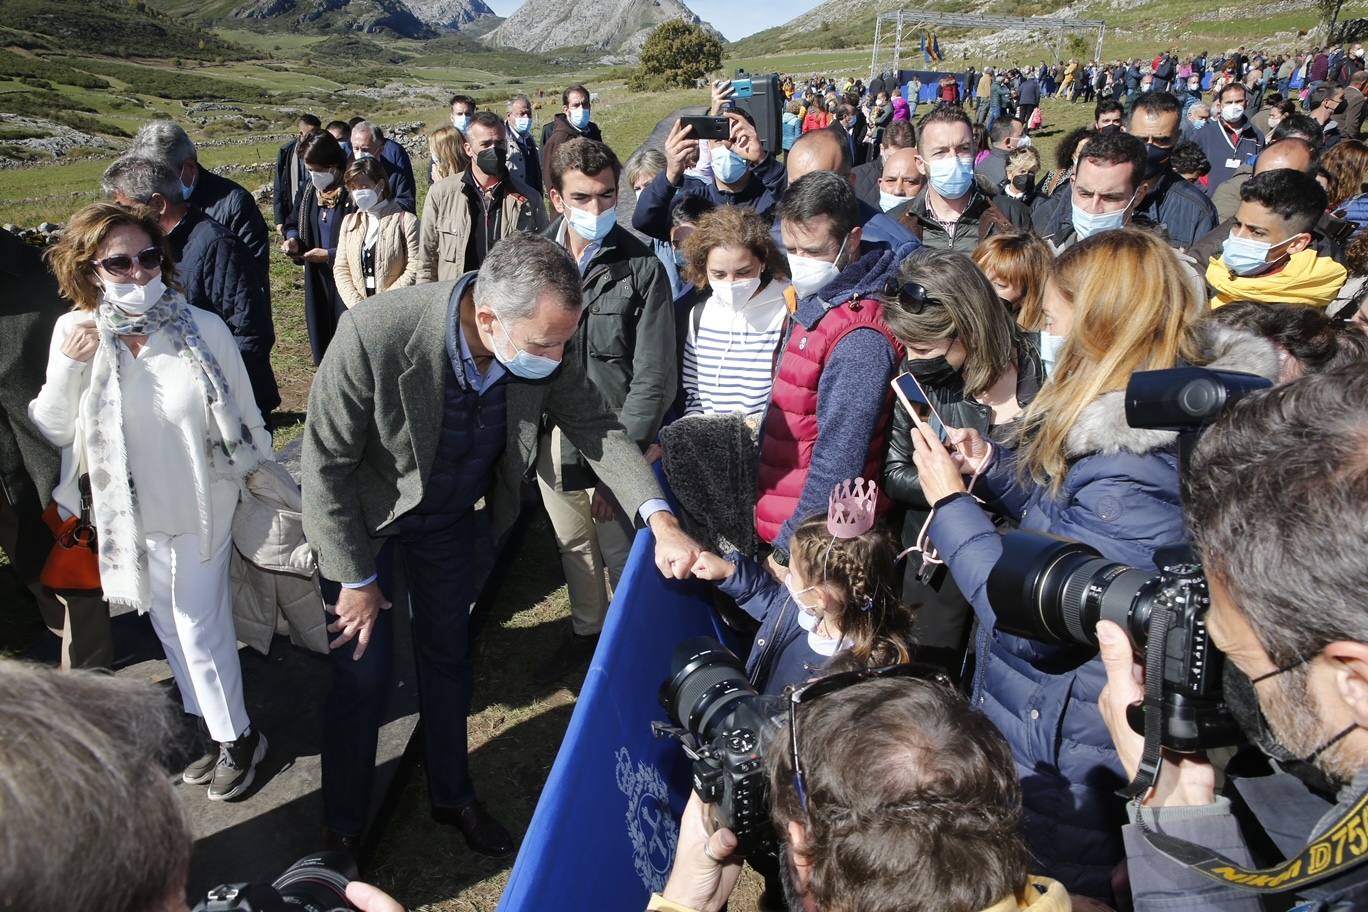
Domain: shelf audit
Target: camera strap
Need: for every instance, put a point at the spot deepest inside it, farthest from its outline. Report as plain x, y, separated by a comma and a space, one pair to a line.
1342, 846
1161, 618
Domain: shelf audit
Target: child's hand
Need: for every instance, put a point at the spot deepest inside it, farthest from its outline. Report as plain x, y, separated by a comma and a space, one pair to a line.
711, 567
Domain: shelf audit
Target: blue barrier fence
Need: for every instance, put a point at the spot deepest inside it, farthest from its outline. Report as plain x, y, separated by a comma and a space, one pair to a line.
604, 832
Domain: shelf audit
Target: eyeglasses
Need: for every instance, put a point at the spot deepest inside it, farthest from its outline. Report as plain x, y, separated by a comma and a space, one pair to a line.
912, 295
121, 264
821, 687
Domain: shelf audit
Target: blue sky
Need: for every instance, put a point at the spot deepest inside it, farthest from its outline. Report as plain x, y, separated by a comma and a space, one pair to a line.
734, 20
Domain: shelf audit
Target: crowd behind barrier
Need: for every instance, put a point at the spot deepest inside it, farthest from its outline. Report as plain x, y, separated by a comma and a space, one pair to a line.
841, 384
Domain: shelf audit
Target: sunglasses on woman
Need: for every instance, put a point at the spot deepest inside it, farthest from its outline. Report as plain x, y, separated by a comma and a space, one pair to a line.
121, 264
821, 687
913, 296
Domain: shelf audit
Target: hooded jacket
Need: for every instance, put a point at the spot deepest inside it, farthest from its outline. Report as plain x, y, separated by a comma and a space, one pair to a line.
1121, 496
1308, 278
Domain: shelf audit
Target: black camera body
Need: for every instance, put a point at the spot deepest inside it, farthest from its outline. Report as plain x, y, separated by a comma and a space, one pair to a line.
1047, 588
315, 883
1051, 589
722, 724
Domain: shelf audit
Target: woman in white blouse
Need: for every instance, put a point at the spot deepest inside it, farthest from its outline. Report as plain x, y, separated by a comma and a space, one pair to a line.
378, 249
148, 397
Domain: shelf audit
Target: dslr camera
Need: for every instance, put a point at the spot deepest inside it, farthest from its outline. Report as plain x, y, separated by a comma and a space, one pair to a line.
724, 726
315, 883
1055, 590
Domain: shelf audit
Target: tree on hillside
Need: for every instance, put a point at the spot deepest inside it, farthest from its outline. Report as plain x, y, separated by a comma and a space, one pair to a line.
1330, 10
677, 54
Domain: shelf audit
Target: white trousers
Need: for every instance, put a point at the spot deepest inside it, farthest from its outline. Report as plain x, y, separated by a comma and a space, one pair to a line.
192, 613
587, 546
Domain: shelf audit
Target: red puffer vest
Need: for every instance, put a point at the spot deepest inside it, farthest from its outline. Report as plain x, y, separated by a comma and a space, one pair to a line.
791, 431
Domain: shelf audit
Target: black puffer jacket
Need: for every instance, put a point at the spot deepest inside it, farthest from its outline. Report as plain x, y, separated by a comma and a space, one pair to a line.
943, 615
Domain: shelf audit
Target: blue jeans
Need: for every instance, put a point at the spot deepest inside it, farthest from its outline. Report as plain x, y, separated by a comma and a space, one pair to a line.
441, 579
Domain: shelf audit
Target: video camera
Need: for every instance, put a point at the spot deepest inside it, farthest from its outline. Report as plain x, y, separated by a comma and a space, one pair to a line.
724, 726
315, 883
1051, 589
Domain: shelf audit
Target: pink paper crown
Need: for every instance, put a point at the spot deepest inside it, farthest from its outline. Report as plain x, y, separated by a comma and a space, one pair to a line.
850, 513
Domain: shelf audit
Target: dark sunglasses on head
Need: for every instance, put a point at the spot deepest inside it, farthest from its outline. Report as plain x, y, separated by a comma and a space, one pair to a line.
821, 687
122, 263
912, 295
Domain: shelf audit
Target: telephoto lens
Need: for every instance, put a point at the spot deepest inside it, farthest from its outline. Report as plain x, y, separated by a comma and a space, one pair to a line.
1056, 590
707, 683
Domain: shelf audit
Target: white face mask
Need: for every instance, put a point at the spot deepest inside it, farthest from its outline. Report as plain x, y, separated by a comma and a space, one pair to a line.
735, 294
322, 180
1232, 112
132, 298
888, 202
460, 121
365, 199
810, 275
1050, 344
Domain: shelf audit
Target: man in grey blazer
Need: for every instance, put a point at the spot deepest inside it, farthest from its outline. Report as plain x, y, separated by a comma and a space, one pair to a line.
422, 430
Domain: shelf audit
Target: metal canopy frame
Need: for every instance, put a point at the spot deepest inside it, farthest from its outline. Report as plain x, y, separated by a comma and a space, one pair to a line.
900, 21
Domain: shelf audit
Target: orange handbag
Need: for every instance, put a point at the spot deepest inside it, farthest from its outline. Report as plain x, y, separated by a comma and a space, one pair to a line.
73, 565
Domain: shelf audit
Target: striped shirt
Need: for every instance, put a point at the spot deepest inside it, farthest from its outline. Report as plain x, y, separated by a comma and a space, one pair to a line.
729, 353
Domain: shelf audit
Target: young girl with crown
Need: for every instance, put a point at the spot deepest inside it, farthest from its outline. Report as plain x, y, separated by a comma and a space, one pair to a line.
840, 594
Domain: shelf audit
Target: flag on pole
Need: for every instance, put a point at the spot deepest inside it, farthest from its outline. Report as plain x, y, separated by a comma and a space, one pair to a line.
925, 51
935, 48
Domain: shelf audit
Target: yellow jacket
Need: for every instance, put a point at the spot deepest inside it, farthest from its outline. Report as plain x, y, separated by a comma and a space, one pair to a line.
1040, 895
1308, 278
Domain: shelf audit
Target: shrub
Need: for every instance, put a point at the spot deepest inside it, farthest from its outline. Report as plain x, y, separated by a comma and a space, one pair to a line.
677, 54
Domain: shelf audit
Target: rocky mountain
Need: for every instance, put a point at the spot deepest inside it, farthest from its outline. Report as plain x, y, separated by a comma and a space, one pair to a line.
449, 15
617, 26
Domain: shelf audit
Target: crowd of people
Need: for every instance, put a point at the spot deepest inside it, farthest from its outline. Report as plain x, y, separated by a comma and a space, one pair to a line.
826, 368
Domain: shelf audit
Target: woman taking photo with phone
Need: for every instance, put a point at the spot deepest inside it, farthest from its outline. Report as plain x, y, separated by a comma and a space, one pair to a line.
1073, 467
148, 398
976, 372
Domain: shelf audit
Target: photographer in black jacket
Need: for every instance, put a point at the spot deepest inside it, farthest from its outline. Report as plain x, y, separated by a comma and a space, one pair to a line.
1277, 504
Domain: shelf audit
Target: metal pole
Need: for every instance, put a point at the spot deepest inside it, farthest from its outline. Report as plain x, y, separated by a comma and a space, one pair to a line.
874, 59
897, 46
1101, 34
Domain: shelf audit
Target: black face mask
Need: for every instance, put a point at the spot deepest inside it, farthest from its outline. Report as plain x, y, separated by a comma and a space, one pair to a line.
935, 372
491, 160
1243, 702
1024, 183
1156, 160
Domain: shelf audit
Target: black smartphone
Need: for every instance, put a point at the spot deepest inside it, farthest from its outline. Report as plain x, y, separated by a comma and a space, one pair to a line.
705, 127
913, 398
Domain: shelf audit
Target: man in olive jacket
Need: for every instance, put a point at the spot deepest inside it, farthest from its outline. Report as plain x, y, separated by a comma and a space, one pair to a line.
626, 347
423, 425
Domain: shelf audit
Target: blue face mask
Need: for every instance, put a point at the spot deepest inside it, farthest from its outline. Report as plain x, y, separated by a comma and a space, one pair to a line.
525, 364
1086, 224
888, 202
579, 117
1245, 257
186, 190
952, 177
727, 166
589, 226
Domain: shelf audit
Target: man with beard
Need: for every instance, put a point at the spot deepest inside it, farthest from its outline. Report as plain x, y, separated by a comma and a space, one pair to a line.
1276, 495
889, 787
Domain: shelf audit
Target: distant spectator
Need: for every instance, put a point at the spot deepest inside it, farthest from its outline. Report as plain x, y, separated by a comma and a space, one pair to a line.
1346, 169
1023, 164
463, 108
641, 168
289, 171
378, 249
792, 124
446, 153
1232, 140
574, 121
524, 160
341, 131
897, 135
368, 141
312, 234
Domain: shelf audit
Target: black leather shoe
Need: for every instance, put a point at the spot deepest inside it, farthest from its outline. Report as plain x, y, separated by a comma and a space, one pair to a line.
571, 656
484, 834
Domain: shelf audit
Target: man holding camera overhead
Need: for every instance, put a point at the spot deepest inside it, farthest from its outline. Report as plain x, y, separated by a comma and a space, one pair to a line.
1276, 498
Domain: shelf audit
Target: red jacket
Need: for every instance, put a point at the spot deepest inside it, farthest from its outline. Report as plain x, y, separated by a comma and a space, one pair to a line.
790, 431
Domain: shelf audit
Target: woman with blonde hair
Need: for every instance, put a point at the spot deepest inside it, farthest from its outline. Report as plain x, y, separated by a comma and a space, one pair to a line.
1018, 265
446, 149
1074, 468
378, 248
150, 404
